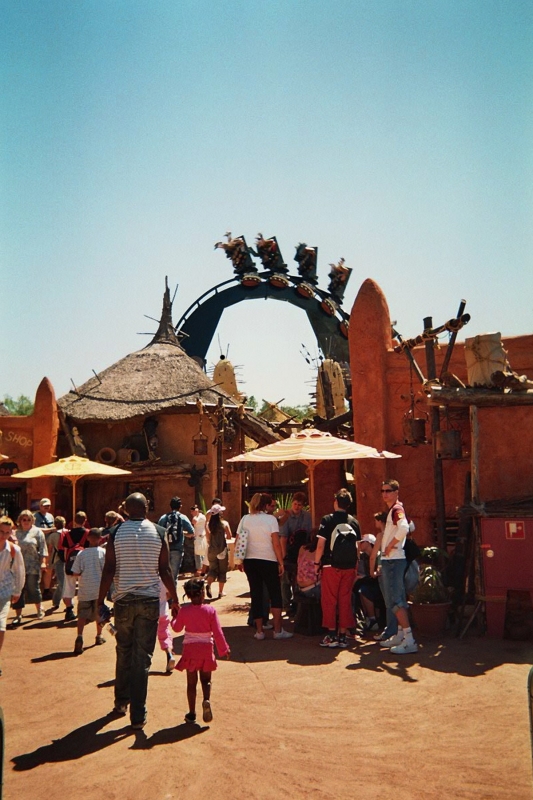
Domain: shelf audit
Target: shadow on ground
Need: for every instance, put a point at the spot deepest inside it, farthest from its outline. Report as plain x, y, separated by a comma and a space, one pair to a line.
88, 739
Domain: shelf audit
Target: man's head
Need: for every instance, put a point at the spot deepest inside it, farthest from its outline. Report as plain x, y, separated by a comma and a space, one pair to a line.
299, 500
389, 491
272, 507
343, 499
112, 518
45, 505
136, 505
366, 545
175, 503
94, 537
60, 523
80, 518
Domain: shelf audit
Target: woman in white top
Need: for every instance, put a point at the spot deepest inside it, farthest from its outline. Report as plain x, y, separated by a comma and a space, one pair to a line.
263, 563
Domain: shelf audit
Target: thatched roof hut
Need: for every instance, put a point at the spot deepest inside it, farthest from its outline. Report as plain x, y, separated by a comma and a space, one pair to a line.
160, 377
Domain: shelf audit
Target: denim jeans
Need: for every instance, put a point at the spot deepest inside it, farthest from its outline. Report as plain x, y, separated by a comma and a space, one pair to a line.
313, 594
391, 627
136, 620
176, 557
59, 569
393, 588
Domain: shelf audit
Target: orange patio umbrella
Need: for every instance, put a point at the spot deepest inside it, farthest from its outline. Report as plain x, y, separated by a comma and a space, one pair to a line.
73, 468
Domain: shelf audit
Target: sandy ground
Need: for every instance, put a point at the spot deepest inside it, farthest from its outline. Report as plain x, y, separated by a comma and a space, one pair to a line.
291, 719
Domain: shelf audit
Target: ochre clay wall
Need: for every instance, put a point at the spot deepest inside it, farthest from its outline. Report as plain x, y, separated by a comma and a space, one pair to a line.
381, 396
30, 442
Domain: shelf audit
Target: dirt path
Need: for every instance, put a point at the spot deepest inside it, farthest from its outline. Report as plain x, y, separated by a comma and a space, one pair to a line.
290, 720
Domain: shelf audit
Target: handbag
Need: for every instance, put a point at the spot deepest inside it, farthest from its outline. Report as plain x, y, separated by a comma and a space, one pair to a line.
241, 544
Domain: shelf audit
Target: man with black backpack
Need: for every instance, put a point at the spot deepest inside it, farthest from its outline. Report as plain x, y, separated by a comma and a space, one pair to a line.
336, 553
176, 525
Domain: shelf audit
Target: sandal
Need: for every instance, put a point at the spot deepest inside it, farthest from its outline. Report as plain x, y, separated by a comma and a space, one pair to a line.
207, 715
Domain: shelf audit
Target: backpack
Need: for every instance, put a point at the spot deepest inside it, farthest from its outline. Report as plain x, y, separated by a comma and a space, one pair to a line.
174, 530
71, 552
343, 544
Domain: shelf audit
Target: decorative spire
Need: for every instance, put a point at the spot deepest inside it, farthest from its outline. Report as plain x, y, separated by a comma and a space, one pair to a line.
166, 333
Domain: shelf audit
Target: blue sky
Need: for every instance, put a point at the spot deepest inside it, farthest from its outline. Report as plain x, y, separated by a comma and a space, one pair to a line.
396, 134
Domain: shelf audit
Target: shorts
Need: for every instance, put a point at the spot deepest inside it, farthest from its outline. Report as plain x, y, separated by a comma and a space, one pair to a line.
218, 568
69, 586
4, 610
87, 610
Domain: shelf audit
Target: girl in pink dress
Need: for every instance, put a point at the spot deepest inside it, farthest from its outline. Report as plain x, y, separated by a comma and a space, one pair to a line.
201, 625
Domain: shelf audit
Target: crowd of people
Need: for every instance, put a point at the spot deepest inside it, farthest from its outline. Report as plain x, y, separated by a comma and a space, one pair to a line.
357, 579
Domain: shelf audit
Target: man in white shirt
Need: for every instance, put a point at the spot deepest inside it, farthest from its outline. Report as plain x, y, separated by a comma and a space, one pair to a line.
393, 565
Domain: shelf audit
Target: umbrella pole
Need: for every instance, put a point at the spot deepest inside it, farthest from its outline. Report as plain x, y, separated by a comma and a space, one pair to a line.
311, 471
74, 479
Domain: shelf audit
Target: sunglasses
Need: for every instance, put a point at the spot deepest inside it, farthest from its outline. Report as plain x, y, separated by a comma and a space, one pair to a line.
387, 491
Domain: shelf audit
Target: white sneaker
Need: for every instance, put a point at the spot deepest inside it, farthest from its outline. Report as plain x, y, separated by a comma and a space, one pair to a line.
259, 636
404, 648
283, 635
395, 640
171, 663
267, 626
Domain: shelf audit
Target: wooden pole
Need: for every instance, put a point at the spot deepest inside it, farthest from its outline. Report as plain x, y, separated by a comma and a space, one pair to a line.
451, 343
434, 413
74, 479
220, 444
474, 454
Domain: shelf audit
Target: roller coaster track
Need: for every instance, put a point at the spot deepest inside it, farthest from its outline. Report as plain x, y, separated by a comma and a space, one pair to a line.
199, 322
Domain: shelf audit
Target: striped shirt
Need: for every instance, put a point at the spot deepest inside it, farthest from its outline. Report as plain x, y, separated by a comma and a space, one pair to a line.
138, 543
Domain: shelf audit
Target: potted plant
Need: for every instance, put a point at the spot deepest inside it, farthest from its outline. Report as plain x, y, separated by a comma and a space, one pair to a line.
431, 600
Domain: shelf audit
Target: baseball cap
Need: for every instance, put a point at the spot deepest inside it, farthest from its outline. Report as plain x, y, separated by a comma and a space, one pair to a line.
217, 509
369, 537
46, 501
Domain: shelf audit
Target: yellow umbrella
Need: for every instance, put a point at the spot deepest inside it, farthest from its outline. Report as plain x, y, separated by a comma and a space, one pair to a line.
73, 468
311, 447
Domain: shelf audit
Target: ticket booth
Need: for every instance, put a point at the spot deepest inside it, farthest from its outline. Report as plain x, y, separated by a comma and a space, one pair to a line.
507, 547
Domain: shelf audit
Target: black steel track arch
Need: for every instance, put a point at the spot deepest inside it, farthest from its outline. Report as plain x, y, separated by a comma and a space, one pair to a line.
199, 322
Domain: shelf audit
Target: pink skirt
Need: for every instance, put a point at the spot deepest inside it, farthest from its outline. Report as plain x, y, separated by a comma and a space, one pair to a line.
198, 655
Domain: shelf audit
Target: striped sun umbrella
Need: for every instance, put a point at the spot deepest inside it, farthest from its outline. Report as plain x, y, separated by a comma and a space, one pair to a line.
312, 447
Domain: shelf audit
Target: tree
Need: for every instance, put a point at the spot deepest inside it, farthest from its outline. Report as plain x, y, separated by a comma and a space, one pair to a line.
268, 411
21, 407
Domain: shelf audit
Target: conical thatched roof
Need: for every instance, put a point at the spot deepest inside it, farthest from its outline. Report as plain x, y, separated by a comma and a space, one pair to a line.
161, 376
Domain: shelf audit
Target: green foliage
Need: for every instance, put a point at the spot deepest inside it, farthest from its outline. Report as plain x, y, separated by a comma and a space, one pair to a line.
201, 503
431, 588
284, 499
299, 412
21, 407
252, 403
267, 411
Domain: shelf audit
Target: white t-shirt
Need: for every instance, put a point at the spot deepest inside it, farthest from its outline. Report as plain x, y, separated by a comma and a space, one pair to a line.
396, 527
198, 524
260, 528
